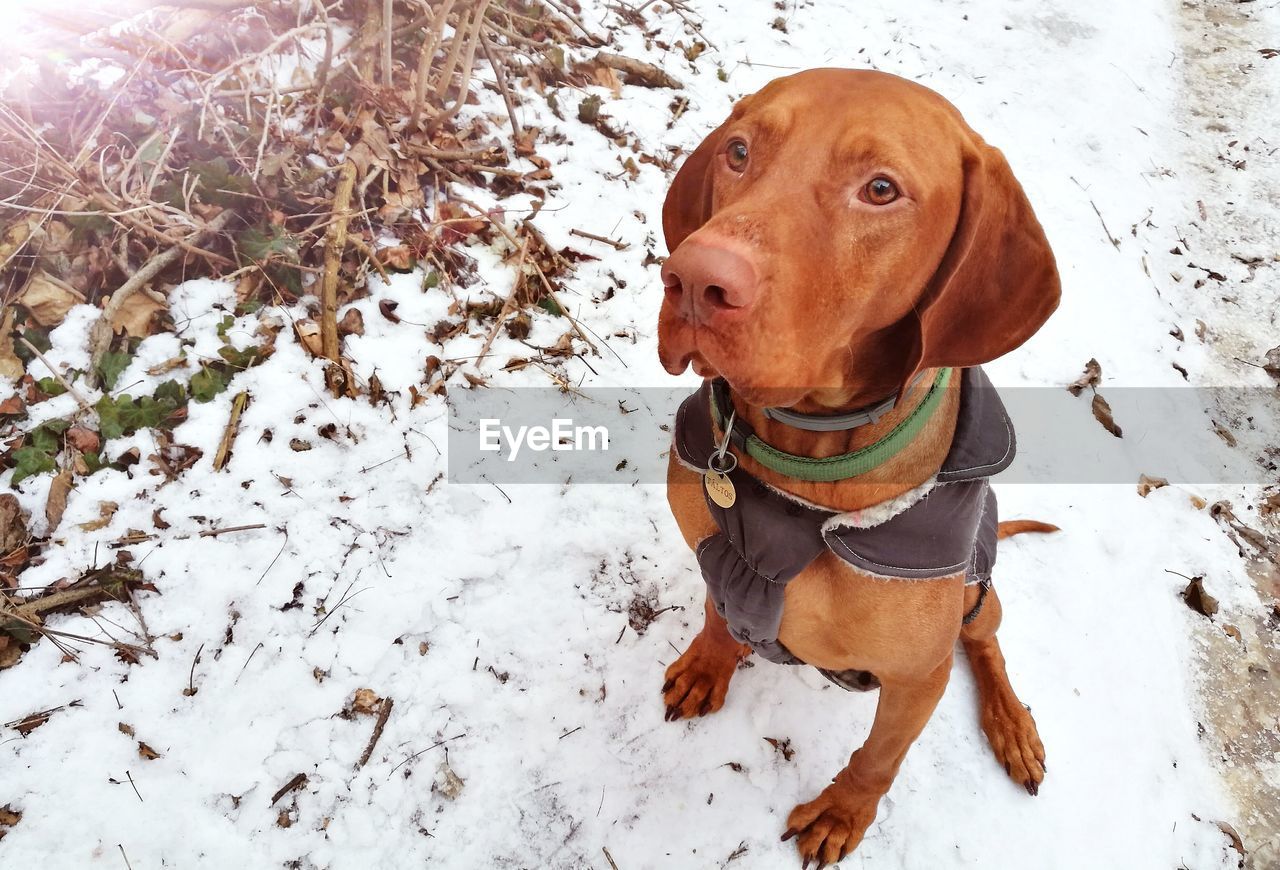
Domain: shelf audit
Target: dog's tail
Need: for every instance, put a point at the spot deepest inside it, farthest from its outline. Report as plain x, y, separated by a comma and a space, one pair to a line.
1016, 527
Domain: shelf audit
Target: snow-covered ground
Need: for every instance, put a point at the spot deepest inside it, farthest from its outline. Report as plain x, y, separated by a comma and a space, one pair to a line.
508, 625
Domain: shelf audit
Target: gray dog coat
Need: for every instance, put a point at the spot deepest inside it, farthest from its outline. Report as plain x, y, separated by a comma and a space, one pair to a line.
766, 538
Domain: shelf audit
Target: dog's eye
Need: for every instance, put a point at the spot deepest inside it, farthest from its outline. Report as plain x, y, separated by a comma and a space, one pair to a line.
736, 154
880, 191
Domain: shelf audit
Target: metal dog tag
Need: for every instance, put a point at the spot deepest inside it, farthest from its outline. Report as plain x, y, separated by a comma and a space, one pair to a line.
720, 488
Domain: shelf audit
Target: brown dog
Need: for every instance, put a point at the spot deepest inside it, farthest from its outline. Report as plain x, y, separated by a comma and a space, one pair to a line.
842, 238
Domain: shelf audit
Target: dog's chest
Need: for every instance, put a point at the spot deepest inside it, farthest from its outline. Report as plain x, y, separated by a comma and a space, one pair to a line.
766, 540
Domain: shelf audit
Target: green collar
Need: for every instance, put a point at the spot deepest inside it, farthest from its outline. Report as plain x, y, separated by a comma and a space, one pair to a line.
832, 468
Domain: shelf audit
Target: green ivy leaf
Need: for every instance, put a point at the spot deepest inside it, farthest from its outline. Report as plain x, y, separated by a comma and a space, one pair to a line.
110, 367
28, 461
51, 386
240, 359
172, 391
38, 338
226, 323
110, 424
207, 383
551, 306
45, 437
431, 281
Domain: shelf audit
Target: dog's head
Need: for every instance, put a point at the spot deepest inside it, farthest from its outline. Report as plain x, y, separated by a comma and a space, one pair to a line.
841, 231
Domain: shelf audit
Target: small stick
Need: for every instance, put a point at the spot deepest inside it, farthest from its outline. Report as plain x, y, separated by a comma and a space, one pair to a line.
609, 857
360, 245
84, 404
135, 786
124, 856
384, 712
506, 304
617, 246
639, 71
298, 781
229, 434
501, 76
386, 42
213, 533
335, 241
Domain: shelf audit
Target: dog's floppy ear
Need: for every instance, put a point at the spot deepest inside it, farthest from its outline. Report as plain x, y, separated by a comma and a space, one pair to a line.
997, 282
688, 202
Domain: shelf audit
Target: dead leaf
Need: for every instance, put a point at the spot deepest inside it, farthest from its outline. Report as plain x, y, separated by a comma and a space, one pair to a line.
366, 702
1270, 505
84, 440
399, 258
308, 332
1102, 413
1224, 433
1272, 365
136, 317
10, 365
1148, 485
447, 782
1091, 378
10, 652
106, 510
167, 366
147, 752
475, 380
1198, 599
126, 729
57, 502
388, 309
8, 818
1197, 502
1236, 842
48, 299
1233, 632
783, 746
352, 323
299, 445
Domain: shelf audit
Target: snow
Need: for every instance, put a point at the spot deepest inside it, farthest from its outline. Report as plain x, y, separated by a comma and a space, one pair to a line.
532, 686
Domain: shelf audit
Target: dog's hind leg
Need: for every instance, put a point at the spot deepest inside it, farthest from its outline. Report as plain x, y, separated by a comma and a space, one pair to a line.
1007, 723
698, 681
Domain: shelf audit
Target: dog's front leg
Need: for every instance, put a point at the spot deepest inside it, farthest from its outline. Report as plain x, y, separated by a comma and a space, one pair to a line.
831, 825
698, 681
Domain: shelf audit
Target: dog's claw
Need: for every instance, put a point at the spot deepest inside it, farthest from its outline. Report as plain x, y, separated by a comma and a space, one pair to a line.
705, 708
671, 713
791, 832
666, 687
1033, 787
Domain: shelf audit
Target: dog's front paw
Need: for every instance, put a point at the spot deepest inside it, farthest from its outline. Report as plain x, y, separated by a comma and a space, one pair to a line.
1015, 740
698, 681
831, 825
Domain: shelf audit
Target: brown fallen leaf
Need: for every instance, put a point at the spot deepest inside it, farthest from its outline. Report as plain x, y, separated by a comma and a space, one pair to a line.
83, 439
126, 729
48, 299
57, 502
783, 746
308, 332
10, 652
136, 317
366, 702
1102, 413
147, 752
388, 308
1198, 599
1197, 502
8, 818
1148, 485
447, 782
1224, 433
10, 365
106, 510
399, 258
1236, 842
13, 406
1272, 364
1091, 378
352, 323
